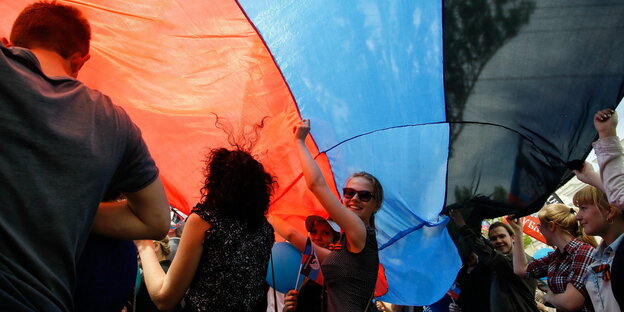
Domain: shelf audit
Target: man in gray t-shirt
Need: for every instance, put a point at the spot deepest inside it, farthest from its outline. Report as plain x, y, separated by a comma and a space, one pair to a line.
63, 147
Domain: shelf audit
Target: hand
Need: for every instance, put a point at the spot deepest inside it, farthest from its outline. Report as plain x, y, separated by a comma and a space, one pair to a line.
290, 300
453, 307
301, 130
516, 224
605, 122
587, 174
457, 218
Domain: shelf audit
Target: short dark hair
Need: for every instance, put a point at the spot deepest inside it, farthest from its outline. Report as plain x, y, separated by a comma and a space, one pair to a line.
501, 224
52, 26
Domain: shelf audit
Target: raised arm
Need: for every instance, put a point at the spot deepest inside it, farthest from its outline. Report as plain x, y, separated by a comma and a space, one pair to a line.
610, 156
518, 255
144, 215
485, 251
349, 222
167, 289
588, 175
298, 239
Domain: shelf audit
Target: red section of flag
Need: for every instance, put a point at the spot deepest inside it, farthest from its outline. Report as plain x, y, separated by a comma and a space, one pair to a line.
381, 286
175, 198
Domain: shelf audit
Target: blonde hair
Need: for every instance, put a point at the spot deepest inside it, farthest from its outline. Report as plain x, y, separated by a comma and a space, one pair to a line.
590, 195
565, 218
164, 246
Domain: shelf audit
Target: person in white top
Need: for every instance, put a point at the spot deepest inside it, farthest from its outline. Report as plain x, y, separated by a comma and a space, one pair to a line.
602, 214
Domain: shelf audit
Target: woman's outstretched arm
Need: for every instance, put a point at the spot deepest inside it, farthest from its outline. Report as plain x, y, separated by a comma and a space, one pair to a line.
349, 222
298, 239
167, 289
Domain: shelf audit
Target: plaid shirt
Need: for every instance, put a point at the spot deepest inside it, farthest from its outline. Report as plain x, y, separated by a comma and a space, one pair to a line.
561, 268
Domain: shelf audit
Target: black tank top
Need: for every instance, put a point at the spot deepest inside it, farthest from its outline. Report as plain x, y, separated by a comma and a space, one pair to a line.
349, 277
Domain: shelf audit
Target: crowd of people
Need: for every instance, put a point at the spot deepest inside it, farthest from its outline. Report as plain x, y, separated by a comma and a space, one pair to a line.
67, 147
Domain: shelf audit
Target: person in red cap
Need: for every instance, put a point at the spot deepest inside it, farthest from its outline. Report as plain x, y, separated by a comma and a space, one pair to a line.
323, 233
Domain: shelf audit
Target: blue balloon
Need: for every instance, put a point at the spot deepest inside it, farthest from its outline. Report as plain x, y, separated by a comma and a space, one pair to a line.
284, 266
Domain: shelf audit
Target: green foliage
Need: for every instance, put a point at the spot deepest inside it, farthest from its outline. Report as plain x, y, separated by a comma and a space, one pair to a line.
527, 240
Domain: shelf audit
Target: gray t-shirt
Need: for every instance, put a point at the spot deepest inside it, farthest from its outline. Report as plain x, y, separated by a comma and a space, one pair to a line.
63, 146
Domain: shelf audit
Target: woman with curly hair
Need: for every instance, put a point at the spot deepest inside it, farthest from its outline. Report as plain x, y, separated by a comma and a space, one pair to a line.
222, 258
350, 270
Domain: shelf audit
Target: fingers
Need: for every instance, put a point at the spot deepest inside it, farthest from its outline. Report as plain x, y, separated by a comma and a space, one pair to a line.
302, 130
290, 300
604, 114
304, 124
513, 220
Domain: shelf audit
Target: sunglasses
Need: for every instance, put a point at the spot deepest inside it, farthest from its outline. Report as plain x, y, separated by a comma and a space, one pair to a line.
364, 196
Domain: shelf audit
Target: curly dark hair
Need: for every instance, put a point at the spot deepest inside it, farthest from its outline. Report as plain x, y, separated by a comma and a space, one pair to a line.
236, 186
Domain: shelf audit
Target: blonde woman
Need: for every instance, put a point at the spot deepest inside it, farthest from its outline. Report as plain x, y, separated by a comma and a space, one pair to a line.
598, 217
350, 271
610, 158
566, 266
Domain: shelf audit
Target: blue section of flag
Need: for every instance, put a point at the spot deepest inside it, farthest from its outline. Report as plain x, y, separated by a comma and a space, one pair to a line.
356, 67
369, 76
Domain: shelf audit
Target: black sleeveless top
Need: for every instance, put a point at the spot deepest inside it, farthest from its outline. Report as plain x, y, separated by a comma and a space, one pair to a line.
233, 266
349, 277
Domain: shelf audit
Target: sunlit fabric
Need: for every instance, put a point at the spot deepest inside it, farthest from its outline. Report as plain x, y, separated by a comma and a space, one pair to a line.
466, 103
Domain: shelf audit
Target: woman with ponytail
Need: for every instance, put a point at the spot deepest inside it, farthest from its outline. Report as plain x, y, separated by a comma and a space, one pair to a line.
598, 217
565, 267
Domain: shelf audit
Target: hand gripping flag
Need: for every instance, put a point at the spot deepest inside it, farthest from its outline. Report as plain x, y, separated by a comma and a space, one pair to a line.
310, 265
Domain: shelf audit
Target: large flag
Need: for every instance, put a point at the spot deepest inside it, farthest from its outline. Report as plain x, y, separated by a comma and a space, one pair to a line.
310, 265
441, 100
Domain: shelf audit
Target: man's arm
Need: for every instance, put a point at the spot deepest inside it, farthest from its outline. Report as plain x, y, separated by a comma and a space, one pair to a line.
486, 253
518, 255
145, 215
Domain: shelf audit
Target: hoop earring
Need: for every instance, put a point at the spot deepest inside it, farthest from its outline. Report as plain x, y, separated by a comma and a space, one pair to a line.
609, 221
